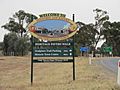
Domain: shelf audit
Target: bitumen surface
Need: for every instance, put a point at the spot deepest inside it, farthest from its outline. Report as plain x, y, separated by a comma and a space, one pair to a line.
110, 63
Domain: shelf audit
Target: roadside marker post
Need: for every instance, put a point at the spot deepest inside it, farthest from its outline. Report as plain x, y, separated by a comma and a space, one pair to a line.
90, 60
92, 54
118, 75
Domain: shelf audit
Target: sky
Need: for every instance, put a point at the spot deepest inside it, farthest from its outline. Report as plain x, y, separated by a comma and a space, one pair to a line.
53, 24
83, 9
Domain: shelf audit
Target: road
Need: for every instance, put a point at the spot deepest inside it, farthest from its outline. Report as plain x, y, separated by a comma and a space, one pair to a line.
109, 63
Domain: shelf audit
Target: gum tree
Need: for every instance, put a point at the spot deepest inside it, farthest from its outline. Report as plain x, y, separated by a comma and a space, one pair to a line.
17, 27
100, 18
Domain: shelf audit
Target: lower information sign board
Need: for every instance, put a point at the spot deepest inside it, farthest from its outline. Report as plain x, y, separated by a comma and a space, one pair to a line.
64, 52
52, 60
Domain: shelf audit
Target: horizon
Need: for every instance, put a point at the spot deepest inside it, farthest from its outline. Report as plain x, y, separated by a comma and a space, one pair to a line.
83, 10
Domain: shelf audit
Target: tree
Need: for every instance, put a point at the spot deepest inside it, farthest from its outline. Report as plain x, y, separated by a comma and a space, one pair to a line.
9, 43
22, 45
13, 43
85, 37
91, 34
20, 15
111, 33
5, 44
17, 22
29, 18
11, 26
100, 18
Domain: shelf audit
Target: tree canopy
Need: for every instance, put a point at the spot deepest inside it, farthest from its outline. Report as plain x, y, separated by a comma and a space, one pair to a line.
88, 35
17, 41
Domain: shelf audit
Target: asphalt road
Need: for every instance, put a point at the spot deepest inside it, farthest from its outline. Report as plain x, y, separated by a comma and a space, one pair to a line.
110, 63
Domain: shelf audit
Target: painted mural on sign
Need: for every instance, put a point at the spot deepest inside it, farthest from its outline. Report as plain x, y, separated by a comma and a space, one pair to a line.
52, 28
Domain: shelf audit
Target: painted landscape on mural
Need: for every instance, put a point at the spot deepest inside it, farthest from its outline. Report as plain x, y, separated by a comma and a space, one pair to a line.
52, 28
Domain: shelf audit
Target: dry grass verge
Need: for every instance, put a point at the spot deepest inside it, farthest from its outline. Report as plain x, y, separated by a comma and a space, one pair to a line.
15, 75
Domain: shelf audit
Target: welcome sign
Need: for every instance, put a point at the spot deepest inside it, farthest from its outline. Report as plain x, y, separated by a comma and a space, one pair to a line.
55, 28
52, 27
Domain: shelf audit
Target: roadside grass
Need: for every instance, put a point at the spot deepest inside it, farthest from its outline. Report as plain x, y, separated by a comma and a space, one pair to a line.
15, 75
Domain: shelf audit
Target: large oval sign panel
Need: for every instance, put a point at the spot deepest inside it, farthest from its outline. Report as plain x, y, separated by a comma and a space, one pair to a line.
52, 27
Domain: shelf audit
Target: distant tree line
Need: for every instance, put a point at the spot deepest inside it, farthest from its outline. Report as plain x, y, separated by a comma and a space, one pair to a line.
17, 42
89, 35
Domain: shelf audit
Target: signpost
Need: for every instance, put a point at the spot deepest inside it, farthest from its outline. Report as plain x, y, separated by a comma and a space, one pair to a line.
85, 49
107, 49
54, 47
52, 60
73, 52
118, 75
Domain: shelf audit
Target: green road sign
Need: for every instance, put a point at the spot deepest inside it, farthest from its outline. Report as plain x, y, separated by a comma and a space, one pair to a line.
107, 49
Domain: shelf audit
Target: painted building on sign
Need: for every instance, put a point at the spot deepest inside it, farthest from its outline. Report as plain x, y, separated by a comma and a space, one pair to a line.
52, 27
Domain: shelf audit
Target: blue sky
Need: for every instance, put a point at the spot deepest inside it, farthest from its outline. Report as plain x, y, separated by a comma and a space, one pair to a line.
52, 24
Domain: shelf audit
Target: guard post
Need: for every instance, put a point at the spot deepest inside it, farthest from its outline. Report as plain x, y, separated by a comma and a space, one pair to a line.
118, 73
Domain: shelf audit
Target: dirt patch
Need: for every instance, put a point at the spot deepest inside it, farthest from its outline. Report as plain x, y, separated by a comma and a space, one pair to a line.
2, 59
